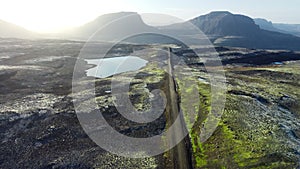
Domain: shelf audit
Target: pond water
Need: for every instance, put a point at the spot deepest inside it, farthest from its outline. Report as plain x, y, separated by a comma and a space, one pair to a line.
110, 66
203, 80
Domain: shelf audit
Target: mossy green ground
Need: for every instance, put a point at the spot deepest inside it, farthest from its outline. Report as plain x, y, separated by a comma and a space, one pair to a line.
249, 134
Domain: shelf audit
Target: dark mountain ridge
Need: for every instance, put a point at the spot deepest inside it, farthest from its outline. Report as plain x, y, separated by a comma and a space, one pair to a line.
241, 31
111, 26
226, 24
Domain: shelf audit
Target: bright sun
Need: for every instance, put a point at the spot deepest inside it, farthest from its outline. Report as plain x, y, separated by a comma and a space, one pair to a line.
55, 15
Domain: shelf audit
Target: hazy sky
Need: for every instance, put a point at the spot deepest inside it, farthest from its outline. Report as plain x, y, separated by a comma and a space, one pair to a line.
52, 15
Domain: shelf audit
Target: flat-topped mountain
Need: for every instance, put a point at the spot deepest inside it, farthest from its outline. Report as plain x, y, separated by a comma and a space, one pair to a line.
111, 26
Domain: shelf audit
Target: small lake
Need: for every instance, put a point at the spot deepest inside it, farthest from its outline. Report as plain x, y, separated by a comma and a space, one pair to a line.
203, 80
110, 66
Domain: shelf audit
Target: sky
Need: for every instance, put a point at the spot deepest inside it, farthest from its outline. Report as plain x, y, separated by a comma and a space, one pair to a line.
56, 15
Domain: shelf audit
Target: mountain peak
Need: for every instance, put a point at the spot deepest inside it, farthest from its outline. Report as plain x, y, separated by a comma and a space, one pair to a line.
224, 23
219, 13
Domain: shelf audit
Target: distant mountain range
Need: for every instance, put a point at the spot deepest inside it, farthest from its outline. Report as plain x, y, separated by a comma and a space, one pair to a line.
227, 29
293, 29
222, 27
9, 30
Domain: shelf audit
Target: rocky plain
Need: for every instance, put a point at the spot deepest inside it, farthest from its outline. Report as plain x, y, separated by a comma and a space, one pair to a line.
259, 128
